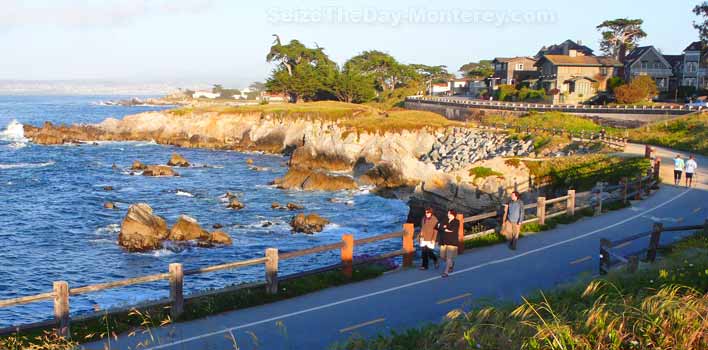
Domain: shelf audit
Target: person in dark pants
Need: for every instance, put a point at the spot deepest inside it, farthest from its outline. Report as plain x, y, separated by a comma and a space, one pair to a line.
428, 239
449, 241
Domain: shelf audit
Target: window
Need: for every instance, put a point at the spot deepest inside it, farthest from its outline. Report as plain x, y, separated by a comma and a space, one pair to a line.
691, 67
519, 66
645, 64
603, 70
657, 65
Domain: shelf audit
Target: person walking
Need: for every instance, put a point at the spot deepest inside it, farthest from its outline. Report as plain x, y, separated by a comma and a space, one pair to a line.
678, 169
449, 241
428, 238
513, 217
691, 167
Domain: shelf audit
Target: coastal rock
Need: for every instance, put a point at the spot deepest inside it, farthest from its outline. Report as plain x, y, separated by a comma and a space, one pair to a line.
159, 170
385, 176
187, 229
109, 205
177, 160
108, 188
309, 180
309, 158
293, 206
220, 237
275, 205
235, 204
310, 223
137, 165
249, 161
141, 230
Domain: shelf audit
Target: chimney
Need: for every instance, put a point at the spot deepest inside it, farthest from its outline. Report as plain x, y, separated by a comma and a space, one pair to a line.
580, 42
572, 53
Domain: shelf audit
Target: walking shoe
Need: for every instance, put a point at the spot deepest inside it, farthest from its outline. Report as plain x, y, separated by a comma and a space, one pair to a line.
423, 268
444, 275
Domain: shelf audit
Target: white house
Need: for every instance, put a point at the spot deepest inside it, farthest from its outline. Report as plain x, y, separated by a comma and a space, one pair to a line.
274, 97
440, 89
205, 94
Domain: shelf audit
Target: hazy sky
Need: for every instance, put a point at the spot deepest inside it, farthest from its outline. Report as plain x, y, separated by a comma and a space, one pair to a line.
226, 41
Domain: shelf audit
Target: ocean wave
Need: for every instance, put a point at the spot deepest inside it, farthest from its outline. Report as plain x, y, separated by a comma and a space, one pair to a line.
13, 132
17, 145
25, 165
110, 229
183, 193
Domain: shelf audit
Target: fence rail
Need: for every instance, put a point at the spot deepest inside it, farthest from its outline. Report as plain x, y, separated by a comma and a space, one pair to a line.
609, 256
175, 275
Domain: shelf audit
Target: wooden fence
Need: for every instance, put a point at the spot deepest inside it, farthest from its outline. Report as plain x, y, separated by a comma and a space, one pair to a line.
610, 258
272, 257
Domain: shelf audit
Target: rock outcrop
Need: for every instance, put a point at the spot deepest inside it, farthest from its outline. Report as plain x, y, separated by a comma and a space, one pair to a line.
109, 205
220, 237
137, 165
187, 229
159, 170
310, 223
177, 160
314, 180
141, 230
235, 204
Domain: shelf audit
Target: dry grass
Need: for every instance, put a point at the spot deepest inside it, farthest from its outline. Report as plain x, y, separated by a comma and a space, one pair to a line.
689, 133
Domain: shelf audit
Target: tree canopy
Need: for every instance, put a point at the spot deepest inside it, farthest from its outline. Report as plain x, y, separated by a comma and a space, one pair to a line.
477, 70
702, 27
620, 36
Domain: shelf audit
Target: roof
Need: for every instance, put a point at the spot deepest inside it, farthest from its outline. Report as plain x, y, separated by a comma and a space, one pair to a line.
596, 61
559, 49
674, 60
574, 79
638, 52
509, 59
695, 46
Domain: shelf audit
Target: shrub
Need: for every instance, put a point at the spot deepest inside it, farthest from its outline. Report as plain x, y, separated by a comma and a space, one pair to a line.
613, 83
483, 172
506, 92
639, 89
526, 94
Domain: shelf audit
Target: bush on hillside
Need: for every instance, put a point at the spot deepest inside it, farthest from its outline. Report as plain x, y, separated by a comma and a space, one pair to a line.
639, 89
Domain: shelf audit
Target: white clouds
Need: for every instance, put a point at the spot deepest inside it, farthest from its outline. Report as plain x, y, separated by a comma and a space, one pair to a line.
102, 13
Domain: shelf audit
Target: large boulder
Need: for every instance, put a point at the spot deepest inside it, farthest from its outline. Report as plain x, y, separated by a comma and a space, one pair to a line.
137, 165
309, 223
235, 204
159, 170
141, 230
220, 237
177, 160
313, 180
187, 229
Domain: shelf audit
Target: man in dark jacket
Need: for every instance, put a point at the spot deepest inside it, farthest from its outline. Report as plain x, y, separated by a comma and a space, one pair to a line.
513, 218
449, 241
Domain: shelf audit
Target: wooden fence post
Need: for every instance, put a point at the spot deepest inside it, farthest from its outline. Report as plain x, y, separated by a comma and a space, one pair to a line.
271, 270
605, 246
570, 205
598, 208
347, 255
176, 290
541, 210
461, 234
639, 188
654, 241
61, 308
647, 151
625, 190
408, 248
657, 169
632, 264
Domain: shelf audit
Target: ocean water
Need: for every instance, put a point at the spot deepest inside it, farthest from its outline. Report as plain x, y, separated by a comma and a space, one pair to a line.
53, 225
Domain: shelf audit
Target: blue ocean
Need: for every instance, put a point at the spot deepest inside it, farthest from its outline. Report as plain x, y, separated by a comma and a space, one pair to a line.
53, 225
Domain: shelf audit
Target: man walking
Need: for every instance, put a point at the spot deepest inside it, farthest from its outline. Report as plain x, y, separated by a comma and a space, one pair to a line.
449, 241
691, 167
678, 169
428, 237
513, 217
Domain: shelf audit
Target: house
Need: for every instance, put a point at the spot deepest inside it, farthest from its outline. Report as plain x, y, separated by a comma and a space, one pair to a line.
460, 86
676, 63
477, 87
512, 70
647, 60
694, 67
271, 97
440, 89
574, 78
564, 48
205, 94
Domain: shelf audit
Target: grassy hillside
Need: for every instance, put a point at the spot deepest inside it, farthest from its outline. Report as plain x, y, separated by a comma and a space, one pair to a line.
362, 118
663, 306
689, 133
549, 120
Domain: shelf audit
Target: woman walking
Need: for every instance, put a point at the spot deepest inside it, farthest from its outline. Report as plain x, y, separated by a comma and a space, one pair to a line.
449, 241
428, 238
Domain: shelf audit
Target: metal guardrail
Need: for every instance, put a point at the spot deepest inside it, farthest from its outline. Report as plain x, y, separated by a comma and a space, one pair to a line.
610, 258
520, 106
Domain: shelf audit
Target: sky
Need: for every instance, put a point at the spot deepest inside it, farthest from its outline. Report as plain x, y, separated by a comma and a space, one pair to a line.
226, 41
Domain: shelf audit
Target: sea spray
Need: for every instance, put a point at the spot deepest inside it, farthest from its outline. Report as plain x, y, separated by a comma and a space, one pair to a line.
14, 132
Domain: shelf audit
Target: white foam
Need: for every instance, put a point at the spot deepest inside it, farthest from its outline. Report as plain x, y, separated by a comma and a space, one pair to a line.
17, 145
110, 229
184, 193
25, 165
14, 132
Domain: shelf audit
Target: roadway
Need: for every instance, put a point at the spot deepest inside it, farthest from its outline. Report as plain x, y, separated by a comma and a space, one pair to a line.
411, 298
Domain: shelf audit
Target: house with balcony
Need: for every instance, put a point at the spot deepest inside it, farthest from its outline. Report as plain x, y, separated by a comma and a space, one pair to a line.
647, 60
575, 77
695, 67
513, 70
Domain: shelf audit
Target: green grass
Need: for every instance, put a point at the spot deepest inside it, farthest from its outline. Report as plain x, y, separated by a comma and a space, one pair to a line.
583, 172
154, 317
662, 306
548, 120
689, 133
481, 172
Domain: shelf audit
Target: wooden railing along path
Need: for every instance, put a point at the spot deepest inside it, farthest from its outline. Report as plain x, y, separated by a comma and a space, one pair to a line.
272, 257
610, 258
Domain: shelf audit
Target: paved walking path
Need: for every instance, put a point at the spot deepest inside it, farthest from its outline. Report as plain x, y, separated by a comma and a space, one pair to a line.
411, 298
